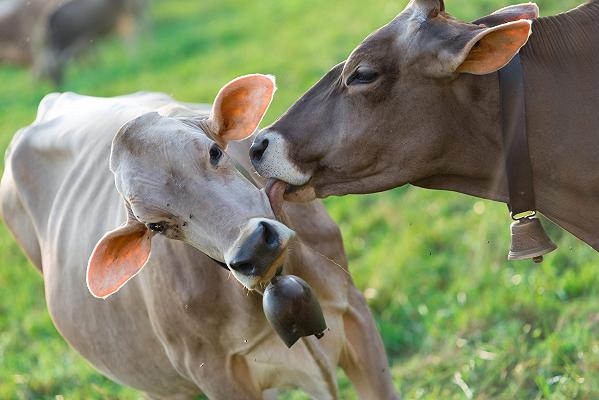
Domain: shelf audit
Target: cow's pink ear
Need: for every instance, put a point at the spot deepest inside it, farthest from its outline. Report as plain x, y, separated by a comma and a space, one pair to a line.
118, 257
493, 48
240, 106
508, 14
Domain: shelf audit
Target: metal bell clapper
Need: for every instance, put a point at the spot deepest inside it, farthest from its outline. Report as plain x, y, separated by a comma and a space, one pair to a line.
292, 309
529, 239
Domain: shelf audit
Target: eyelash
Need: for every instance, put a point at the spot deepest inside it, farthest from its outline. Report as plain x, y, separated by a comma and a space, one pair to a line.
362, 77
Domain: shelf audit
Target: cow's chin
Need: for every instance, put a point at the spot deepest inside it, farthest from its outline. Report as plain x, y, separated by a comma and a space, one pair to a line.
259, 282
300, 194
279, 191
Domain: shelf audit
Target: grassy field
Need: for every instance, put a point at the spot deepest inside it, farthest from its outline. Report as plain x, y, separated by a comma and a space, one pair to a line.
457, 319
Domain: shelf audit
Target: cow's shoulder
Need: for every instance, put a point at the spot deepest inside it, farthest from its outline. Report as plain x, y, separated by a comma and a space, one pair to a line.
20, 190
26, 184
34, 145
69, 130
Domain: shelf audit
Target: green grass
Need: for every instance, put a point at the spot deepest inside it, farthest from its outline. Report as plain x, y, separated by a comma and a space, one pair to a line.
450, 308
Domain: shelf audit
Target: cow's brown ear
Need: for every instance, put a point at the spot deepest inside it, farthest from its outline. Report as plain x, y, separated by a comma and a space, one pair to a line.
492, 48
509, 14
118, 257
240, 106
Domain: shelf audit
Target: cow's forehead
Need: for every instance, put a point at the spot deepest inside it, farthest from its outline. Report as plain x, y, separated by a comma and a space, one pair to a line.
376, 45
159, 154
160, 142
386, 42
171, 133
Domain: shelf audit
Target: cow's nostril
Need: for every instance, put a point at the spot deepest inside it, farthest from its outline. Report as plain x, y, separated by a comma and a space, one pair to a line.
244, 267
270, 235
257, 150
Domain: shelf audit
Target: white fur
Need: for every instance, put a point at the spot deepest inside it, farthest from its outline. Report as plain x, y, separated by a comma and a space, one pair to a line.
275, 162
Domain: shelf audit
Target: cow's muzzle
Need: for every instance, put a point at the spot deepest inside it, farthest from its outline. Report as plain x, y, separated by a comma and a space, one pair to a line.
270, 156
259, 251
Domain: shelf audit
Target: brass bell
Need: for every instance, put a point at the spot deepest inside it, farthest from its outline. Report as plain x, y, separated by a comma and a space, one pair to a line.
529, 240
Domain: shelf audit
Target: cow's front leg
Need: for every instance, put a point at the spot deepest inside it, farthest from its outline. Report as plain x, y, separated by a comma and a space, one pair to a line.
363, 357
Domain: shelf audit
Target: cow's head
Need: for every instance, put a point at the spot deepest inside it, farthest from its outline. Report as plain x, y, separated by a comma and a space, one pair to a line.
385, 116
176, 181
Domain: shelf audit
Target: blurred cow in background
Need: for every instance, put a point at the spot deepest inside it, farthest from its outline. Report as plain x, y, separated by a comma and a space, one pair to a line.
17, 21
48, 33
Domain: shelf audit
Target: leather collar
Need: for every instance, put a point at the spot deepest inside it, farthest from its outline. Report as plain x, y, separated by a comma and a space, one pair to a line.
518, 168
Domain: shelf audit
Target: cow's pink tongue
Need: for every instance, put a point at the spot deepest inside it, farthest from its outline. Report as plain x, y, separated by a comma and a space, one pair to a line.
275, 190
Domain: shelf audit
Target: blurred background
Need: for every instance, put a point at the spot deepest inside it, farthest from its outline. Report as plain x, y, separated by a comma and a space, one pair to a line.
457, 319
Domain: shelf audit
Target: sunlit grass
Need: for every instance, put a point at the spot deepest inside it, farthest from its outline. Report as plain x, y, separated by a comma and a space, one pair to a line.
453, 313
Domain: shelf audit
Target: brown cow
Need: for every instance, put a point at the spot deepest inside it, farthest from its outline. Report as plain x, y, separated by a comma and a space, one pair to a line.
418, 102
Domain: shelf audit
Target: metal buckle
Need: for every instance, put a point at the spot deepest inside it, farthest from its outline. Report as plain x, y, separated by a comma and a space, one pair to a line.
523, 214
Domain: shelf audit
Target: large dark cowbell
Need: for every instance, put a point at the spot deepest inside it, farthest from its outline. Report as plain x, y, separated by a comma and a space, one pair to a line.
292, 309
529, 240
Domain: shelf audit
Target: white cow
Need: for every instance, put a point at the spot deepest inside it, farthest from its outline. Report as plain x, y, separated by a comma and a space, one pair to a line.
116, 178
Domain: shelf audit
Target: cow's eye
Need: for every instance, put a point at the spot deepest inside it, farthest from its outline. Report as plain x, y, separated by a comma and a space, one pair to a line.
362, 76
215, 154
156, 226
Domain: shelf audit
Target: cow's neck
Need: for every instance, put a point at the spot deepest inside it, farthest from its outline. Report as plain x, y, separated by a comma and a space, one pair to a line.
472, 160
562, 101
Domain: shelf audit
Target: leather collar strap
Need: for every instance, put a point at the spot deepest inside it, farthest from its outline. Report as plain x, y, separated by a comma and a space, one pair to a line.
220, 264
517, 158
